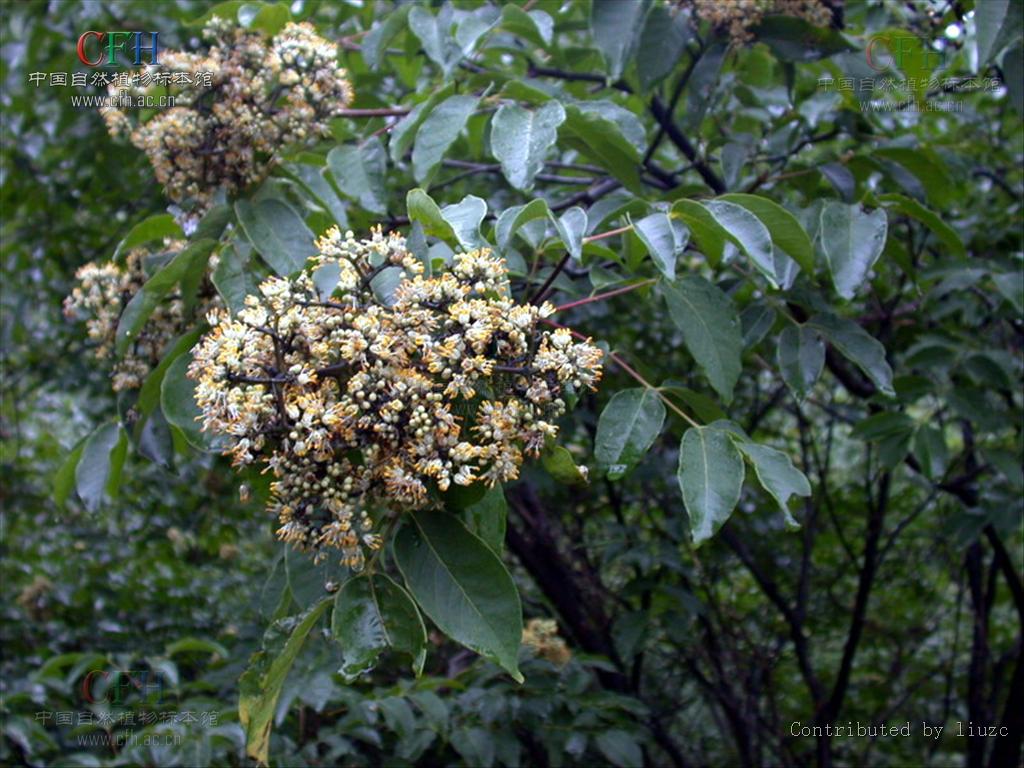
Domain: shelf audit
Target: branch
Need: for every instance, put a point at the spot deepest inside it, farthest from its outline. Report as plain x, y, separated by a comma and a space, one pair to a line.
664, 118
865, 583
380, 112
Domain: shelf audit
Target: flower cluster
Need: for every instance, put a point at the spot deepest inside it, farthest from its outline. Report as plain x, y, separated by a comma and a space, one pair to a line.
100, 296
366, 385
222, 133
737, 18
541, 636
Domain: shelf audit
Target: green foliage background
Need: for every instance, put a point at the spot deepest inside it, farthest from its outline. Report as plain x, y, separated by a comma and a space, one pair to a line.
886, 366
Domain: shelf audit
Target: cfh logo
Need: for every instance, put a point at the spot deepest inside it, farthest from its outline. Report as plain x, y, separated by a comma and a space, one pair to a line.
93, 45
901, 51
115, 686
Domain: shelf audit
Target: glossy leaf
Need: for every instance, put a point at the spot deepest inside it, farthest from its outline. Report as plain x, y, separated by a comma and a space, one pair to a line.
710, 327
461, 585
465, 218
372, 613
488, 516
192, 260
801, 357
423, 209
777, 475
628, 426
710, 477
521, 138
513, 219
663, 240
261, 683
97, 464
277, 233
616, 26
438, 132
155, 227
177, 399
571, 227
857, 345
783, 227
747, 231
359, 173
852, 241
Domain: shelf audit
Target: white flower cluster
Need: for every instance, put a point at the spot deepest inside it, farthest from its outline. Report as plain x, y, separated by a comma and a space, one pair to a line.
262, 96
360, 404
99, 298
738, 17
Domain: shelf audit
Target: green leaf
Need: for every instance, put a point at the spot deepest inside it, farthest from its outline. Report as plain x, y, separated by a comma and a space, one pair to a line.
513, 218
149, 393
227, 10
747, 231
702, 84
359, 173
628, 426
117, 456
756, 320
663, 241
438, 132
317, 183
559, 463
711, 477
796, 40
855, 344
146, 231
535, 26
618, 746
706, 231
662, 44
422, 208
521, 138
177, 400
96, 463
852, 242
378, 38
571, 227
465, 218
487, 518
993, 20
261, 683
271, 18
189, 262
475, 746
931, 451
277, 233
616, 26
462, 586
435, 34
386, 282
372, 613
64, 479
404, 132
910, 207
234, 277
882, 426
601, 138
783, 227
777, 474
1011, 286
710, 328
924, 165
801, 357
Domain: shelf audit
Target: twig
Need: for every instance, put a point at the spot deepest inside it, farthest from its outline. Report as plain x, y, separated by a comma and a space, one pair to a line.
607, 295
